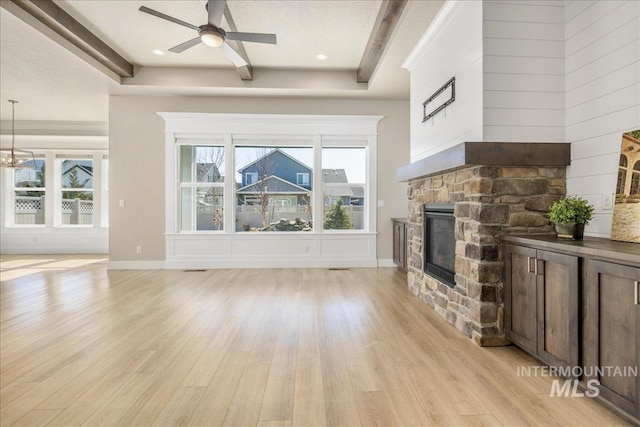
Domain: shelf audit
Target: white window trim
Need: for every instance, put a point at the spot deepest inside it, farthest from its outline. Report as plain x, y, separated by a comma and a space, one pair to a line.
48, 142
53, 190
96, 163
254, 176
317, 248
303, 181
193, 184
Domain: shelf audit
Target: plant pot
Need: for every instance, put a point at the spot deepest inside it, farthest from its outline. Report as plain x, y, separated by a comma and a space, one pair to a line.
570, 230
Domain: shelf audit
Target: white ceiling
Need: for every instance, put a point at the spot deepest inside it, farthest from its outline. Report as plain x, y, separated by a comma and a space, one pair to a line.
49, 82
52, 84
339, 29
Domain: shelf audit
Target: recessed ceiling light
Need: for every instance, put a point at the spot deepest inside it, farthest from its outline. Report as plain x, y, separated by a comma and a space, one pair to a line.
321, 56
158, 52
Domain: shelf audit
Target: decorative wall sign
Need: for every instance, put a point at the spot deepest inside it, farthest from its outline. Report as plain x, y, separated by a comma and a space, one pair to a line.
451, 84
626, 213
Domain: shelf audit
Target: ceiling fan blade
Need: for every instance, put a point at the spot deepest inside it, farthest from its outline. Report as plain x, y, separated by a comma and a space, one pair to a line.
167, 17
252, 37
233, 56
184, 46
216, 10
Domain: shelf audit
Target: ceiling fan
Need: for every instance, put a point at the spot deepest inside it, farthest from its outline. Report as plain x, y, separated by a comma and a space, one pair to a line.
212, 35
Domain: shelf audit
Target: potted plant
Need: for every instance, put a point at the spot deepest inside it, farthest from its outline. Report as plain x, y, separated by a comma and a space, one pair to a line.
570, 215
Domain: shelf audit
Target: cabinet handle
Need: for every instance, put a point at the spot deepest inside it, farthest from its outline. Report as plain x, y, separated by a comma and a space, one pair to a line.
535, 269
529, 264
636, 291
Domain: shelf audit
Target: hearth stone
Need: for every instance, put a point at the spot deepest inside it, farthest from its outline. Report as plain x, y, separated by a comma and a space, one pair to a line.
488, 202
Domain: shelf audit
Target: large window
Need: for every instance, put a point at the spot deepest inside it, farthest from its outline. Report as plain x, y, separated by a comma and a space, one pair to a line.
344, 187
270, 175
29, 194
274, 190
62, 189
201, 188
76, 178
298, 190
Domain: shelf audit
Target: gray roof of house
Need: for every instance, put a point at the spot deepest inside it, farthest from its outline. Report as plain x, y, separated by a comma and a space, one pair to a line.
334, 176
270, 153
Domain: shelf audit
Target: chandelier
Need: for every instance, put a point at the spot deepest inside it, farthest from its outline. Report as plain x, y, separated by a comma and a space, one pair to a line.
15, 158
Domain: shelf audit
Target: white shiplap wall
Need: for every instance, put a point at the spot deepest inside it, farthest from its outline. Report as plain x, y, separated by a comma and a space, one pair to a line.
535, 71
452, 46
523, 48
602, 66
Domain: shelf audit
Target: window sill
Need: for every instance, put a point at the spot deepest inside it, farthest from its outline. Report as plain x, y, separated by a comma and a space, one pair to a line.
56, 227
266, 234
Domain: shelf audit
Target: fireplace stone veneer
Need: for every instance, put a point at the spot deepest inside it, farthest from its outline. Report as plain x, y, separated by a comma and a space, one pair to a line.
488, 201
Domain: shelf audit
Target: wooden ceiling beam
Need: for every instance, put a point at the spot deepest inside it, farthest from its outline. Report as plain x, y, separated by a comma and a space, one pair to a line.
388, 17
64, 25
246, 72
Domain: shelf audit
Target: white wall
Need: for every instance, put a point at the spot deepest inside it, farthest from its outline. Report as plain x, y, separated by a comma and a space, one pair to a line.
602, 96
137, 153
551, 71
452, 46
523, 63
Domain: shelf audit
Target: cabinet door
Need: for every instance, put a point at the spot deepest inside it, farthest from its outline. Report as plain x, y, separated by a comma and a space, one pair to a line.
612, 332
403, 245
396, 243
520, 297
400, 244
557, 294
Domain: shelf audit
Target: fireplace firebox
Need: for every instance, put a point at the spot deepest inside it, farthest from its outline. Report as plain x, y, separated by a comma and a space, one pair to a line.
440, 242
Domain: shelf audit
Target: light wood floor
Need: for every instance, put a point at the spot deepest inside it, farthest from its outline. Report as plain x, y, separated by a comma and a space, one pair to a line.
283, 347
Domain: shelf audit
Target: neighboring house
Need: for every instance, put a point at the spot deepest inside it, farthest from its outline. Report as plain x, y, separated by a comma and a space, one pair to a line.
279, 191
30, 177
83, 170
207, 172
349, 195
285, 180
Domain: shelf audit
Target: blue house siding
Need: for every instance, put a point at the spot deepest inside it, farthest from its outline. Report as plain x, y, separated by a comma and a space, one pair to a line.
278, 164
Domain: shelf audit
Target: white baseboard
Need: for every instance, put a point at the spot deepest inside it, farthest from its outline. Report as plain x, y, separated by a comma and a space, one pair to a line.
239, 263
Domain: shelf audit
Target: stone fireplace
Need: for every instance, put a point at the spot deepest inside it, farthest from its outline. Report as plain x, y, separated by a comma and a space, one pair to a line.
508, 191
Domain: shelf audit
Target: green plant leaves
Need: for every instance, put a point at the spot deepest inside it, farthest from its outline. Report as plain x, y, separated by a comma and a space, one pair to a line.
571, 210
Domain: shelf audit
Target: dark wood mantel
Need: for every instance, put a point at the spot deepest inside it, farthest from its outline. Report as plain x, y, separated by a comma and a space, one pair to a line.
489, 154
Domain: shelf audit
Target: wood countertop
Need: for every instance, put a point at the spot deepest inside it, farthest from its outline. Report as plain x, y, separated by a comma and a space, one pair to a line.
594, 247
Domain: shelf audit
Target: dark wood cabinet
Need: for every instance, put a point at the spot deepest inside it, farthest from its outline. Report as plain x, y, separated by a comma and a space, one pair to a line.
400, 242
612, 332
541, 301
577, 304
520, 291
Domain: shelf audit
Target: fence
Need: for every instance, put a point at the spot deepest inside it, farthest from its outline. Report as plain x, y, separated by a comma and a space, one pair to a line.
250, 216
30, 210
77, 211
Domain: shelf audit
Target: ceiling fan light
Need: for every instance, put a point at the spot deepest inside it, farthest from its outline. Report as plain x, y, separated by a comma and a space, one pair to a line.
211, 38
